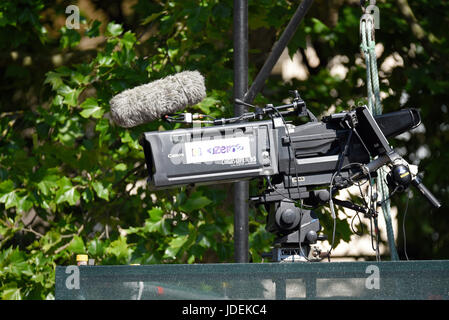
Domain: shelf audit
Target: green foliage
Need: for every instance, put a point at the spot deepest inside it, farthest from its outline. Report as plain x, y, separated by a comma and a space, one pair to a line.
71, 181
19, 23
78, 171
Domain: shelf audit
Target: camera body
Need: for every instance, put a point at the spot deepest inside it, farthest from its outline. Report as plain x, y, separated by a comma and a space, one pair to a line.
306, 155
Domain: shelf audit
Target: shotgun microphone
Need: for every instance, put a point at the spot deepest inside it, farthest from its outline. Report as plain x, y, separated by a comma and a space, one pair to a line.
153, 100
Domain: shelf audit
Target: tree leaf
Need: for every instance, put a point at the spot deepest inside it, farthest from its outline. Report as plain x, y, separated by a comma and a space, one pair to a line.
10, 200
175, 246
48, 184
87, 195
128, 40
120, 167
114, 29
120, 249
11, 292
101, 191
155, 214
94, 112
6, 186
24, 204
94, 30
207, 103
96, 248
54, 78
160, 226
195, 202
67, 194
70, 38
76, 246
70, 95
91, 109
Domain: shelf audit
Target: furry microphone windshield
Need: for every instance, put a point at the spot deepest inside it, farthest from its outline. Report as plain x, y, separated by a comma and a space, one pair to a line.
152, 101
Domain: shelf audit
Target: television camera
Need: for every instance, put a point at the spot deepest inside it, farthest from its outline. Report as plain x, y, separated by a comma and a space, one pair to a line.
301, 167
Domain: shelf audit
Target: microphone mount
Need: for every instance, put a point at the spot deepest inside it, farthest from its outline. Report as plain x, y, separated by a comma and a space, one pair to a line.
297, 108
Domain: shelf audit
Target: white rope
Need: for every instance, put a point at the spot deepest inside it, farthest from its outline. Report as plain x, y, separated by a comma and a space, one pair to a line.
368, 47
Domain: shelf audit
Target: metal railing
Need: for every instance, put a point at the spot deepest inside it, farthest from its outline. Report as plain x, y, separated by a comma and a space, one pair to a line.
403, 280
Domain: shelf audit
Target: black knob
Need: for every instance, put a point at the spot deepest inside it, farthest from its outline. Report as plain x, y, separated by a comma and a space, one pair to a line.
323, 196
288, 216
401, 175
311, 236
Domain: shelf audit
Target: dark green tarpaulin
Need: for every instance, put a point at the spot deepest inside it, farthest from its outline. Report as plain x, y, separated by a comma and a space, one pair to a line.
336, 280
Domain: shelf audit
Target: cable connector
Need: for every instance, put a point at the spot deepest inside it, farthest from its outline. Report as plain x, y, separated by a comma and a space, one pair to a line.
189, 118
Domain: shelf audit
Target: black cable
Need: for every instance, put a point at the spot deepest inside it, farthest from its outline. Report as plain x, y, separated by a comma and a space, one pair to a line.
373, 219
357, 213
403, 226
334, 229
376, 230
369, 206
371, 234
396, 189
301, 214
331, 204
361, 141
343, 152
290, 150
361, 224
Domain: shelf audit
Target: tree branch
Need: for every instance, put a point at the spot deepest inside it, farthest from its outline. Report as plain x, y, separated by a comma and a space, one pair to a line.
423, 37
73, 234
40, 235
408, 14
68, 243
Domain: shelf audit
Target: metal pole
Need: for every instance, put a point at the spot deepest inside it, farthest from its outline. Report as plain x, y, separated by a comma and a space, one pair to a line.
277, 50
241, 189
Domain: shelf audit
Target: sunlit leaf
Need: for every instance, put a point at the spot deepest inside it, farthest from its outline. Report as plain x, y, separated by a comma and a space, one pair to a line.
114, 29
